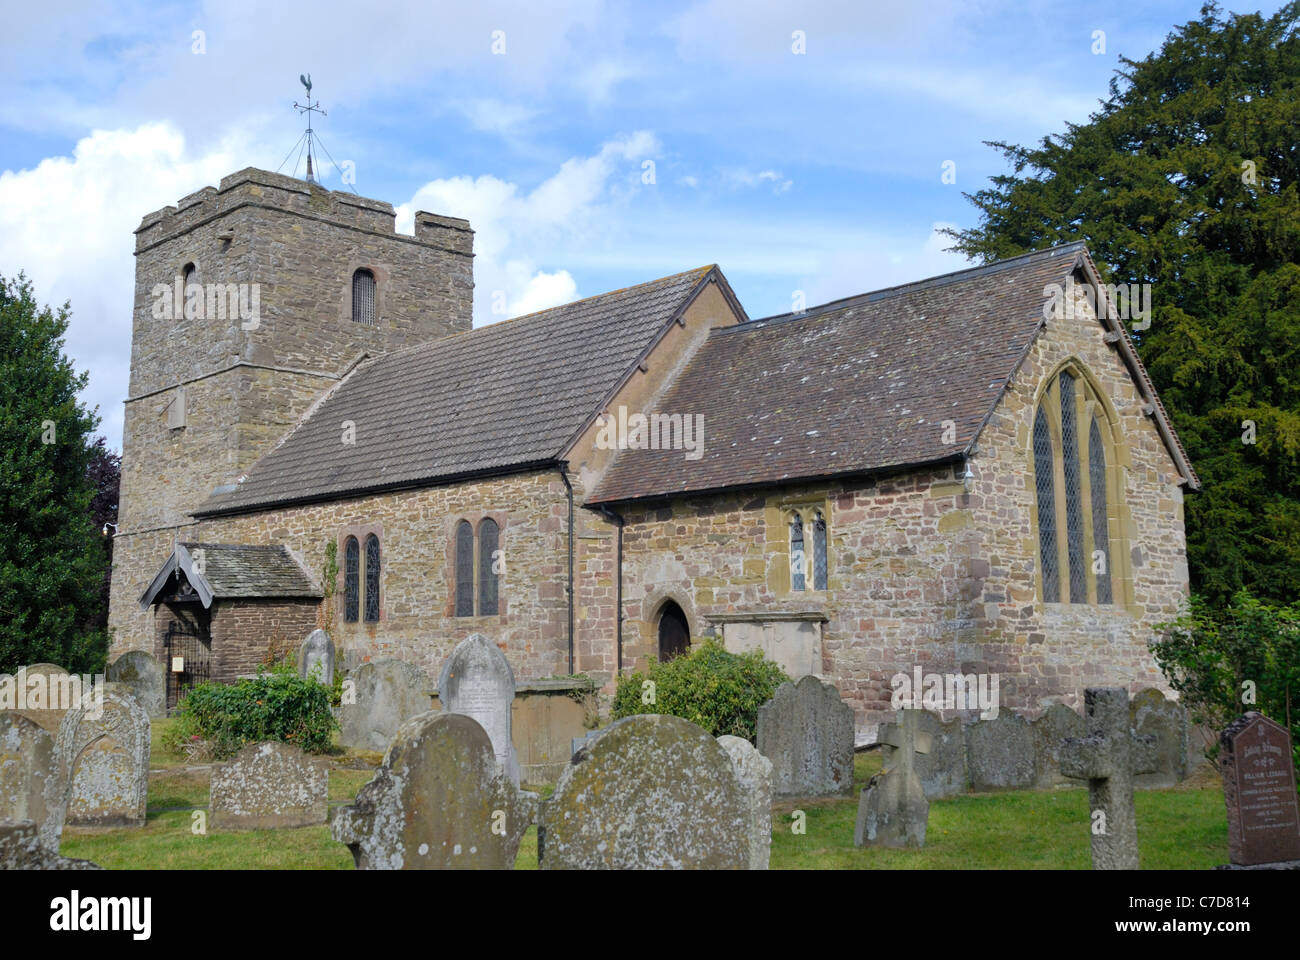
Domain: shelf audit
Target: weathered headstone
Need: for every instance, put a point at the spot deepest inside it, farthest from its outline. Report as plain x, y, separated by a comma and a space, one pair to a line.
439, 802
1108, 758
316, 657
477, 681
33, 784
652, 792
806, 730
143, 677
21, 849
892, 809
1153, 714
755, 773
267, 786
105, 750
1057, 724
48, 692
942, 771
1000, 753
1259, 789
385, 694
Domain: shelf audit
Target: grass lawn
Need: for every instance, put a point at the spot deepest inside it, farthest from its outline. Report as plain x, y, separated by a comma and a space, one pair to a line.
1181, 828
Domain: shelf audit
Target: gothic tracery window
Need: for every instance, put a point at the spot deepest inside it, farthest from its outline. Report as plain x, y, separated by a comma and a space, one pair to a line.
487, 567
1070, 457
464, 569
808, 564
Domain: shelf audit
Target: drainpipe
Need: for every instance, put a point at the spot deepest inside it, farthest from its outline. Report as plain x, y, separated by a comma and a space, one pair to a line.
569, 487
617, 520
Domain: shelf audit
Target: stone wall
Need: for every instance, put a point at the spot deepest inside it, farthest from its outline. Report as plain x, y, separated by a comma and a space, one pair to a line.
416, 530
242, 384
922, 573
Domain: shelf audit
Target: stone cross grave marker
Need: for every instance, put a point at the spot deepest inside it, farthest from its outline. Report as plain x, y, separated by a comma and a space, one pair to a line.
477, 681
1260, 791
1108, 758
892, 809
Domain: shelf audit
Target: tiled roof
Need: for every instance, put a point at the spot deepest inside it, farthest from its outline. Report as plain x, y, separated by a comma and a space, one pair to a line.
220, 571
504, 396
855, 386
243, 570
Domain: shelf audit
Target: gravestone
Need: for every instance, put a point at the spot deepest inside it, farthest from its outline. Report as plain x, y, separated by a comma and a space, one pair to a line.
651, 793
105, 750
942, 771
385, 694
316, 658
267, 786
1058, 723
806, 730
33, 785
892, 809
21, 849
1000, 753
439, 801
1259, 789
1151, 713
142, 676
755, 773
1108, 758
49, 692
477, 681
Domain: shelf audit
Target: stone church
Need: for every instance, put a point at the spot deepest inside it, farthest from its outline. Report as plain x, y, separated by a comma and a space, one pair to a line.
944, 475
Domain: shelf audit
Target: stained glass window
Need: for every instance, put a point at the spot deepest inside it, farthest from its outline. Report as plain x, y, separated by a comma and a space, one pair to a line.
1045, 484
372, 579
464, 569
1100, 524
1073, 492
488, 535
351, 580
797, 581
819, 551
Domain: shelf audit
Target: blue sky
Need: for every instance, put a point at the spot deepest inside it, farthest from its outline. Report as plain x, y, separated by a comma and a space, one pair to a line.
818, 172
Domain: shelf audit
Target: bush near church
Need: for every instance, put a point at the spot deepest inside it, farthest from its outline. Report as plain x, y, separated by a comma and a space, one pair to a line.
279, 705
718, 690
1226, 661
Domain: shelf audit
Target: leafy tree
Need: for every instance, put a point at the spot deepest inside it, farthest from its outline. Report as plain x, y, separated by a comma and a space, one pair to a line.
51, 554
105, 477
1186, 178
1225, 661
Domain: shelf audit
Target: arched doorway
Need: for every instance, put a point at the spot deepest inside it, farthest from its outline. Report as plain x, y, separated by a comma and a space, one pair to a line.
674, 632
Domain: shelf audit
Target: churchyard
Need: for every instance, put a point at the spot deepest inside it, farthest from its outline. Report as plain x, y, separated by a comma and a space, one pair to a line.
102, 783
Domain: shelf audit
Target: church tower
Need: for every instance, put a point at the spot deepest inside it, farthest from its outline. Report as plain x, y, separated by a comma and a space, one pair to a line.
252, 299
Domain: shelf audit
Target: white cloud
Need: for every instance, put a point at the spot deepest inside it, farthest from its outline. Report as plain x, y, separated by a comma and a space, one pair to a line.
747, 178
879, 261
517, 233
68, 222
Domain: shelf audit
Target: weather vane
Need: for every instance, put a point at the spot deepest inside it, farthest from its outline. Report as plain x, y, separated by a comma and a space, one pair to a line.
309, 108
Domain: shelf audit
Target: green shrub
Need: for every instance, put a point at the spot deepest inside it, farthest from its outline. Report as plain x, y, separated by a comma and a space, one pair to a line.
278, 705
718, 690
1228, 660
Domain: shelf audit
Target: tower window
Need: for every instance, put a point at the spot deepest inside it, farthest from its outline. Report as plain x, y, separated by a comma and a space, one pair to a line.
363, 297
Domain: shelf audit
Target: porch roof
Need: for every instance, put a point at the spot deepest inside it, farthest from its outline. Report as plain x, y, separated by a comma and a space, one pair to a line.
220, 571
